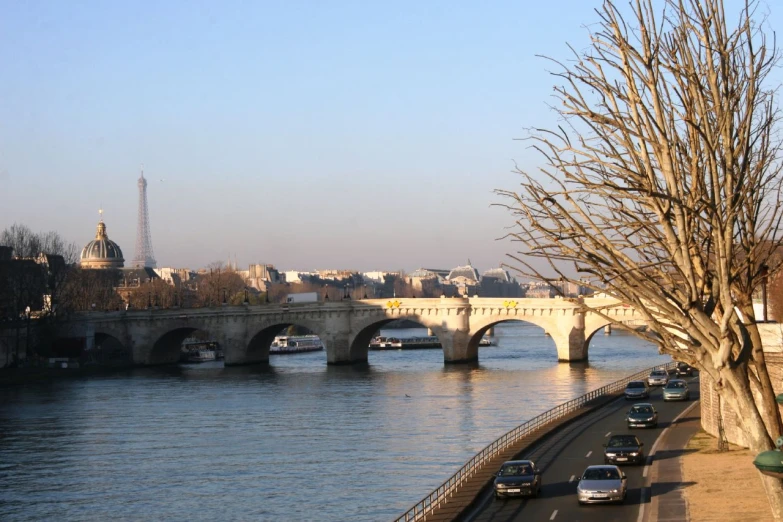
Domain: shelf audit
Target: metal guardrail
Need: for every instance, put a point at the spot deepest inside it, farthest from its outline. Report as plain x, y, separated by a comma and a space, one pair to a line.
426, 505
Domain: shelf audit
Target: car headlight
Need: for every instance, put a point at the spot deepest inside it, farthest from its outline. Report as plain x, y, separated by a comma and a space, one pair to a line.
501, 485
634, 453
610, 454
526, 483
614, 491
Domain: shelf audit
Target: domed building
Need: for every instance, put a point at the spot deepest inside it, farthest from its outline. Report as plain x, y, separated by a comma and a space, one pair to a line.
101, 252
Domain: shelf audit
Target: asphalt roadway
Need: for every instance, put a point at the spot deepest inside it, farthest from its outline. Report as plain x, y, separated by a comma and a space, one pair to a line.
563, 456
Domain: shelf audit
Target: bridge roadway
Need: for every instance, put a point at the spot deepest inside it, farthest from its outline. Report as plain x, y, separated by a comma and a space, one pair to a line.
564, 454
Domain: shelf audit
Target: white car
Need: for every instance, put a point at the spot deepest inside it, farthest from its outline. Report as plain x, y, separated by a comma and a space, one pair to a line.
599, 484
658, 378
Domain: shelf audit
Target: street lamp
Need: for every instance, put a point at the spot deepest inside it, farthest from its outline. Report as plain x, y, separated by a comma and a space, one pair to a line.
27, 339
764, 274
770, 462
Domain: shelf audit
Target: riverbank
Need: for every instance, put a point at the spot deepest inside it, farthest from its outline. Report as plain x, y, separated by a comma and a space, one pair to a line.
722, 486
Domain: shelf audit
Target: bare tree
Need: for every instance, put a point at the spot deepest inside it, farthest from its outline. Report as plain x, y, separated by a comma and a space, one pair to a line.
153, 293
663, 183
217, 286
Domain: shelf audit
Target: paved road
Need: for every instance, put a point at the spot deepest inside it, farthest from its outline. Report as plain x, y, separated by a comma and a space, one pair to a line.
564, 455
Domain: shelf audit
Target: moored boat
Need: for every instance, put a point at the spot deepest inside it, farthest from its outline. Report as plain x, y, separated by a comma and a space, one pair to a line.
385, 343
195, 350
295, 344
414, 343
201, 355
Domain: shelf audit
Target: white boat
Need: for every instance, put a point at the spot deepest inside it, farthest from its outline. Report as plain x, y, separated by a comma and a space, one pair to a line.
201, 355
196, 350
295, 344
385, 343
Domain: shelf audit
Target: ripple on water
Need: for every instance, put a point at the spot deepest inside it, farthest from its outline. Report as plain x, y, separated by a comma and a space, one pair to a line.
203, 442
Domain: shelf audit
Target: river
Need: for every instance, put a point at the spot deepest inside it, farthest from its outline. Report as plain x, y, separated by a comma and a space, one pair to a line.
295, 440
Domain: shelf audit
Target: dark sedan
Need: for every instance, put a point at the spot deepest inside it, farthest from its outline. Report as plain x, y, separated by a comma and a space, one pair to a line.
623, 449
684, 370
518, 478
642, 415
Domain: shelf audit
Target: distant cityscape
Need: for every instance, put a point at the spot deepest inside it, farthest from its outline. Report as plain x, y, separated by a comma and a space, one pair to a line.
99, 280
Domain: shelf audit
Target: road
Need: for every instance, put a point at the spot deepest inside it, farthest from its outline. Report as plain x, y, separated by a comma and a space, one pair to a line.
564, 455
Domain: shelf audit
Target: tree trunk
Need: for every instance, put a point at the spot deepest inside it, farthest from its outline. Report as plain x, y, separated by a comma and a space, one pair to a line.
736, 393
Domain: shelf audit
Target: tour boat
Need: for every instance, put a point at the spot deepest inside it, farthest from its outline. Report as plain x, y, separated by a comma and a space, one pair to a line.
385, 343
295, 344
413, 343
201, 355
195, 350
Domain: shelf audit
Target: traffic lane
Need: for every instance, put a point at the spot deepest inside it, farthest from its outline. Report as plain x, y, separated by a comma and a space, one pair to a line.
549, 450
593, 440
585, 447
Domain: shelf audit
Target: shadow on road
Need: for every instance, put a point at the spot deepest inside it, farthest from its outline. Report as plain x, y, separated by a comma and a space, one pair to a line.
672, 454
661, 488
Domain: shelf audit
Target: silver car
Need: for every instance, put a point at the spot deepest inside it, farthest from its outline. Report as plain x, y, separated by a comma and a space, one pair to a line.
658, 378
601, 484
676, 390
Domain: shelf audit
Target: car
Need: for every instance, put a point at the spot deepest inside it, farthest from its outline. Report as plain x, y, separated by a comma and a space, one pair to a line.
636, 390
642, 415
676, 390
658, 378
518, 478
623, 449
684, 370
599, 484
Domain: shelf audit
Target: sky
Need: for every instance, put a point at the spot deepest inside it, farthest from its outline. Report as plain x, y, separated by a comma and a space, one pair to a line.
324, 134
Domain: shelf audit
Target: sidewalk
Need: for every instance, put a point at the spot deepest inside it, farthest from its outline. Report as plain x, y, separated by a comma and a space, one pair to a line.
667, 502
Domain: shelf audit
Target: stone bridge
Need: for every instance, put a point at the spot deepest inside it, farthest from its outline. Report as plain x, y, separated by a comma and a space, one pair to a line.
345, 327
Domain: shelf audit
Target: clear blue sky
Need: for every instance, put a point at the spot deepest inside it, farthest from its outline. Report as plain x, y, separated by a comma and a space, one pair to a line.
323, 134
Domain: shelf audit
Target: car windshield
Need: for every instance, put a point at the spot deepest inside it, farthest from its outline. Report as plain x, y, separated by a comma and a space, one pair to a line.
642, 409
622, 442
658, 373
636, 384
675, 384
515, 470
601, 474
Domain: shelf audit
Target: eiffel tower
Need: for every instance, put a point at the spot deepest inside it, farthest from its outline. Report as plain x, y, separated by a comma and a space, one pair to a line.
144, 255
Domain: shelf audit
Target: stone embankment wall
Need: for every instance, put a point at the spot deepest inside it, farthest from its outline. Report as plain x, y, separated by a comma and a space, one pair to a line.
772, 337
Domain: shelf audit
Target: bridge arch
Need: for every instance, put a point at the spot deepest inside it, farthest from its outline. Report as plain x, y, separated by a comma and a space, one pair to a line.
262, 334
167, 341
364, 329
477, 333
564, 324
108, 349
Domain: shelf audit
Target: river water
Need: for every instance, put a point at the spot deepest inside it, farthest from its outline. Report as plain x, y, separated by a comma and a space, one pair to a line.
297, 440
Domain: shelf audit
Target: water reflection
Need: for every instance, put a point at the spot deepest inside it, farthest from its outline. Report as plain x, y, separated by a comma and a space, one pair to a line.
169, 441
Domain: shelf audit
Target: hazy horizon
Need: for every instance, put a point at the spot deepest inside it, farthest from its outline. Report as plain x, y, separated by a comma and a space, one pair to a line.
334, 134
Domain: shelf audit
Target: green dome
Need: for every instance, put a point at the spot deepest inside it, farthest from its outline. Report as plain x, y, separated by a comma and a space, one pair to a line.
770, 463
